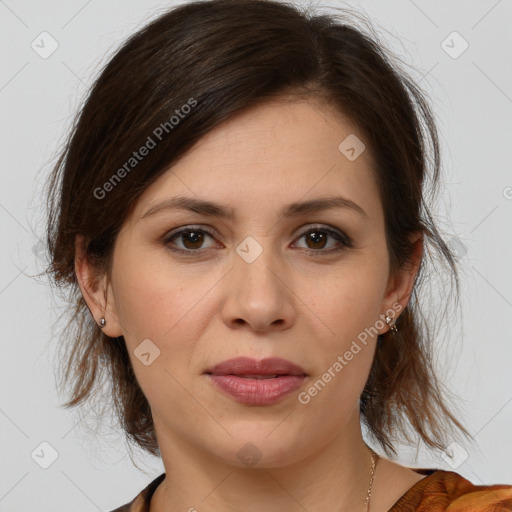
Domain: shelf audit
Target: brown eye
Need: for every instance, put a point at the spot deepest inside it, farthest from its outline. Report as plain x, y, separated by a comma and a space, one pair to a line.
194, 238
317, 240
188, 240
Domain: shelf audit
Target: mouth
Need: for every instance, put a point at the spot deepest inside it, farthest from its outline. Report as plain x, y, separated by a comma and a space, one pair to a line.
258, 377
254, 382
250, 368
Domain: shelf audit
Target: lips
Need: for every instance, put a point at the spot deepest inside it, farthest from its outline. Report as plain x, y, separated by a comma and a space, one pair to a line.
259, 376
252, 368
253, 382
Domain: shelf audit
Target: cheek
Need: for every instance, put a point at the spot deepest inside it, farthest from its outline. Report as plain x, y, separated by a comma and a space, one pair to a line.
348, 303
348, 306
153, 295
345, 351
155, 307
161, 302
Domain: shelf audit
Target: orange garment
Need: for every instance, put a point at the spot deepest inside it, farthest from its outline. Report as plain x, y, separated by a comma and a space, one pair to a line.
439, 491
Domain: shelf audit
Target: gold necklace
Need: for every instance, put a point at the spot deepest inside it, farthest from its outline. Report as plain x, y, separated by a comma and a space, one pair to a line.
375, 458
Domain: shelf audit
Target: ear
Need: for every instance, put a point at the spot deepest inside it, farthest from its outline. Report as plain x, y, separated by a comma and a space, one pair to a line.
401, 283
96, 291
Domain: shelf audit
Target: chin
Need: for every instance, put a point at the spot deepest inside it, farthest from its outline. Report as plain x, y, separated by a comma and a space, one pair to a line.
262, 445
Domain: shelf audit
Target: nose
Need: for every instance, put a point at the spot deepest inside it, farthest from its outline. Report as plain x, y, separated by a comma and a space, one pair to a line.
259, 295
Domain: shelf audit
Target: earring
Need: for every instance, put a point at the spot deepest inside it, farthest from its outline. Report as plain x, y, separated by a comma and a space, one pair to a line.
391, 324
102, 323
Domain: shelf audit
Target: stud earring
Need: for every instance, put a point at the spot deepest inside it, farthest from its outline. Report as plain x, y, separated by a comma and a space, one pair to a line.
392, 325
102, 323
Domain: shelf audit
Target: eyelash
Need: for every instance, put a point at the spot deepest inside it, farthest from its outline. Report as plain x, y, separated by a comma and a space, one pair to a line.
344, 240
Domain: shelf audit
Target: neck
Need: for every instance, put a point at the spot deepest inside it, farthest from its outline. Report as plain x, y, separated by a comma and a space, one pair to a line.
335, 477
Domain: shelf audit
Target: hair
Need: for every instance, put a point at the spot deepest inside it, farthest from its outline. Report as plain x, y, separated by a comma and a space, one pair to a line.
193, 67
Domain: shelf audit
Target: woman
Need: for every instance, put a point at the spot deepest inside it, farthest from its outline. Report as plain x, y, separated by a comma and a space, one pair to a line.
240, 211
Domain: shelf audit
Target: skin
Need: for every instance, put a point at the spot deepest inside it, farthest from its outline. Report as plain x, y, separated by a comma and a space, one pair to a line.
306, 308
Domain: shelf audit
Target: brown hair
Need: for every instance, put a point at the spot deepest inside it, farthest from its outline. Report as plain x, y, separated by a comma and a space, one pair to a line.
221, 57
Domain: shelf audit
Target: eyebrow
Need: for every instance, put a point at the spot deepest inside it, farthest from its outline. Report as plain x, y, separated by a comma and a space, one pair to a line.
211, 209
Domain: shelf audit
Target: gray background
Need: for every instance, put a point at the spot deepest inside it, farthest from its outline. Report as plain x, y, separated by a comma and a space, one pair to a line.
472, 97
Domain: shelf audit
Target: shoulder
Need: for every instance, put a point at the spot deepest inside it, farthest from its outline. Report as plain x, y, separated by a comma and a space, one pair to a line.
140, 503
446, 490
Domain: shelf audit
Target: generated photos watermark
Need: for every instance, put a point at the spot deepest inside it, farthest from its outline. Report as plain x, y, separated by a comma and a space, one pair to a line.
151, 142
343, 360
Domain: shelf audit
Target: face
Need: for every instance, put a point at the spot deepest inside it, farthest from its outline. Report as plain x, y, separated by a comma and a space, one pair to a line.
192, 288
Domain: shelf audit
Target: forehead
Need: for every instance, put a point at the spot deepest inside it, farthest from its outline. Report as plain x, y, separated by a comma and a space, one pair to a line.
275, 153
